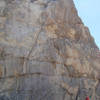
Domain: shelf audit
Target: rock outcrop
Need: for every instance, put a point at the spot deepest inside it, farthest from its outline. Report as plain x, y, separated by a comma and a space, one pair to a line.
46, 52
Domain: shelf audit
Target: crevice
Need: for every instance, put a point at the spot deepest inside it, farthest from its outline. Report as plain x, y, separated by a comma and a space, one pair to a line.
24, 75
33, 46
32, 1
76, 98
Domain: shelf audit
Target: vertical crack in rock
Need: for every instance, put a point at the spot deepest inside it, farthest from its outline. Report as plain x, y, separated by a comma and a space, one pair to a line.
32, 49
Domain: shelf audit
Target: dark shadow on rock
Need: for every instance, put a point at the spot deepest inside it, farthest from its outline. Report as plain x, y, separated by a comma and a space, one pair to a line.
4, 97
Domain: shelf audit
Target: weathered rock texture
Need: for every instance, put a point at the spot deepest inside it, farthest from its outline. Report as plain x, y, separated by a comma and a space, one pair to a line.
46, 53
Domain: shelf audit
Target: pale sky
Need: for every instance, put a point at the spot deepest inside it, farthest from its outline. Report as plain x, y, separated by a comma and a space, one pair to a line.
89, 11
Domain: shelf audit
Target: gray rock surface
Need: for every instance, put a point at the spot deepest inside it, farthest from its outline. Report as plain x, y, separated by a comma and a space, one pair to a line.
46, 52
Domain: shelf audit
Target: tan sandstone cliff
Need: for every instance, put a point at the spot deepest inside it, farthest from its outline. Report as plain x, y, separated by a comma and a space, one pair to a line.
46, 52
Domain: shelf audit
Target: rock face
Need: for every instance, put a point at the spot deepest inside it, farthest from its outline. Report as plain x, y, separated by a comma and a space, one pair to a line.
46, 52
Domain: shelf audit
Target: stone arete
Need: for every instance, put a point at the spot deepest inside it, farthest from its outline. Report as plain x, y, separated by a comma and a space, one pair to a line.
46, 52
